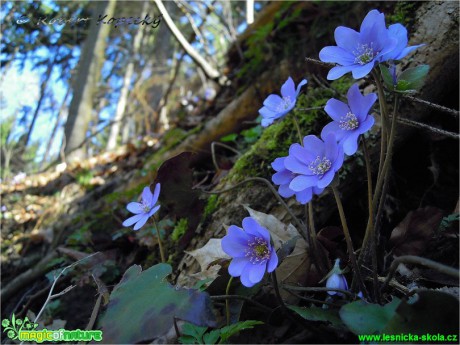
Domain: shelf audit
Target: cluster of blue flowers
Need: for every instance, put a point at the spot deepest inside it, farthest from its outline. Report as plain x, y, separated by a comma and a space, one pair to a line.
311, 165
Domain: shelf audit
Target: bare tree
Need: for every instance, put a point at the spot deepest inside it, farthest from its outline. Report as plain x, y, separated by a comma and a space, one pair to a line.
80, 109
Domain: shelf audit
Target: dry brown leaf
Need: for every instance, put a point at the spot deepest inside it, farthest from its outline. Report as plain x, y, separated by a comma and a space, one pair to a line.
211, 252
413, 234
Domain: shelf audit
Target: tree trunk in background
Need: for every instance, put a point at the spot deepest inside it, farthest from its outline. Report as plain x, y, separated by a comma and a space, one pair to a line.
121, 106
56, 126
81, 106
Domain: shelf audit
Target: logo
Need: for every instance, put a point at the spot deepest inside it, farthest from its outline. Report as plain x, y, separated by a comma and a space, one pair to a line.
25, 330
15, 326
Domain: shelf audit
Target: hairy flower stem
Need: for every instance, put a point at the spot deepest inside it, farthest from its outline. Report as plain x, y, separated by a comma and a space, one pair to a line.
384, 115
351, 252
298, 129
321, 260
159, 240
382, 178
227, 302
372, 235
302, 229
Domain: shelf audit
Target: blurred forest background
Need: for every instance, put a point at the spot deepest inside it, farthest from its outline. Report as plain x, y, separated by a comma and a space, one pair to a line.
91, 111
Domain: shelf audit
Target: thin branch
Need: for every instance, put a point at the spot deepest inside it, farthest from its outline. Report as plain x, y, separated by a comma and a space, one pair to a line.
417, 260
416, 124
243, 298
433, 105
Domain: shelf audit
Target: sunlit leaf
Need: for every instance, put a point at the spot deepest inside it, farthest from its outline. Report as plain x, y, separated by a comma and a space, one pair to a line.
143, 306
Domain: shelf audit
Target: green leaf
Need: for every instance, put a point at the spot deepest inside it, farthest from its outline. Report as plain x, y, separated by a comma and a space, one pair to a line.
412, 78
252, 135
319, 314
228, 331
228, 138
212, 337
143, 306
386, 75
427, 312
365, 318
193, 331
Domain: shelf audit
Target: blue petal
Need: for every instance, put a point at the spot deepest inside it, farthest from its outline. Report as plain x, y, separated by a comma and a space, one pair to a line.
302, 83
266, 122
338, 71
141, 222
273, 262
366, 125
362, 71
304, 196
303, 154
336, 54
346, 38
135, 207
147, 196
256, 272
297, 167
156, 193
313, 144
350, 144
245, 275
278, 164
153, 211
285, 191
236, 266
130, 221
302, 182
331, 148
288, 89
406, 51
235, 243
266, 112
253, 228
359, 104
372, 18
273, 102
317, 190
333, 127
336, 109
282, 177
326, 179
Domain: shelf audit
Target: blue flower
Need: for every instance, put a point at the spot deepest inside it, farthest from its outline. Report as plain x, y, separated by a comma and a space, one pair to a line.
350, 120
358, 52
251, 251
336, 280
283, 178
145, 209
276, 107
314, 163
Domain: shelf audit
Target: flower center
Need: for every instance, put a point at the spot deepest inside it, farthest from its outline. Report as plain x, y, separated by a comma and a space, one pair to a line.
146, 207
258, 251
285, 104
320, 165
348, 122
364, 53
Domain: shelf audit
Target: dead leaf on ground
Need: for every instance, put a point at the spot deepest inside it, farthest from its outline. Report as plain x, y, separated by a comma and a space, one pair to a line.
211, 252
413, 234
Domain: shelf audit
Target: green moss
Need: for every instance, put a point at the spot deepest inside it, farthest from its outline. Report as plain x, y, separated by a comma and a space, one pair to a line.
404, 13
179, 229
277, 138
211, 205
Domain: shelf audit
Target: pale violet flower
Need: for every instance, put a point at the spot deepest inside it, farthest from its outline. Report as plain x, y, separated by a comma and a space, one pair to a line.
350, 120
252, 253
276, 107
283, 178
145, 209
336, 280
358, 52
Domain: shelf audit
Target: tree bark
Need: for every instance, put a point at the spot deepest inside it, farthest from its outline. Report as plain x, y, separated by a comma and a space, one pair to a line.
121, 106
81, 106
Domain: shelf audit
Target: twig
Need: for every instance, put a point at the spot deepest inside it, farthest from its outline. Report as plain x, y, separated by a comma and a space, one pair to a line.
312, 300
417, 260
433, 105
318, 62
213, 152
67, 289
429, 128
243, 298
317, 289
